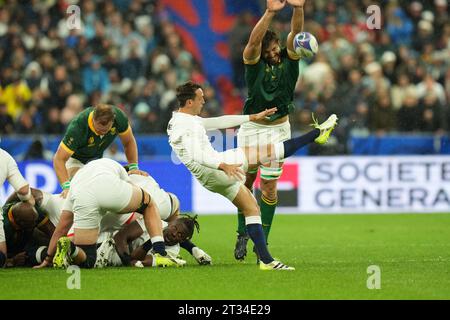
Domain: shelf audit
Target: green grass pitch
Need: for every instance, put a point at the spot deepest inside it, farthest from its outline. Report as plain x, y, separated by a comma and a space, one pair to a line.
330, 252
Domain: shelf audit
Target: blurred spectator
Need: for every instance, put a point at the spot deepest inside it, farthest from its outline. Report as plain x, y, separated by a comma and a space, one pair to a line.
382, 116
6, 121
95, 77
409, 115
36, 151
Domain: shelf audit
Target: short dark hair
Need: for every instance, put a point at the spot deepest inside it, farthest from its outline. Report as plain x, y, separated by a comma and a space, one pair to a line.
190, 222
186, 91
104, 111
268, 38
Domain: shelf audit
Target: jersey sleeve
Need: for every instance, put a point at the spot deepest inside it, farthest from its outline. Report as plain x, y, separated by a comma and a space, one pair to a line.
122, 121
224, 122
13, 175
72, 139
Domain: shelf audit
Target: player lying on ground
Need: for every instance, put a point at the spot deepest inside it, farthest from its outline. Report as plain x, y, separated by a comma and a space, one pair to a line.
9, 171
224, 172
176, 233
100, 186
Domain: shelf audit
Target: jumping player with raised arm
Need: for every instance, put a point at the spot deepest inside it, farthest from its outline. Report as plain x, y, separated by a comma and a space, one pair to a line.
223, 172
271, 73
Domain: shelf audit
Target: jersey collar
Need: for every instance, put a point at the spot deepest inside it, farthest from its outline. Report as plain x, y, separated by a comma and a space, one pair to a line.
11, 219
91, 122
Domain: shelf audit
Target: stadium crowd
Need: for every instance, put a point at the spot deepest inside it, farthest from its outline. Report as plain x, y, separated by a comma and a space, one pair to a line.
128, 53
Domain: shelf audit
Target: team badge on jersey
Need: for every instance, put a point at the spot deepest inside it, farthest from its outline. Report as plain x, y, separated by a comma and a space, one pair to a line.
90, 141
113, 130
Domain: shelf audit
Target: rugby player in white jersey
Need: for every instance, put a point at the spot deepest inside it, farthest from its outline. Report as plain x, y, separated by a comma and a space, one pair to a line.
9, 171
100, 186
135, 238
224, 172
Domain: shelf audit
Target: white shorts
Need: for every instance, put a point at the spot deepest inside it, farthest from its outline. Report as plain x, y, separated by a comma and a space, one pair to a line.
90, 201
217, 181
252, 134
73, 163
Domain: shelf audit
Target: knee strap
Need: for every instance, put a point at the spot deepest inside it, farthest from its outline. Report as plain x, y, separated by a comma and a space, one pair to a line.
91, 255
143, 204
268, 173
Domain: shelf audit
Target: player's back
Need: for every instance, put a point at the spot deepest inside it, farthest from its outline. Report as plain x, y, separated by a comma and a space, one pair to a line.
97, 168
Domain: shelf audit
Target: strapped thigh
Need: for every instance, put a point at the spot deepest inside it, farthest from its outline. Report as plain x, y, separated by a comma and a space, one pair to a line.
143, 204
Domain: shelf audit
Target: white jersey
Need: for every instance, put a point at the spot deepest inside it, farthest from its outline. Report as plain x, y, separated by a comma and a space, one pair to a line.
92, 170
188, 138
113, 257
52, 206
9, 171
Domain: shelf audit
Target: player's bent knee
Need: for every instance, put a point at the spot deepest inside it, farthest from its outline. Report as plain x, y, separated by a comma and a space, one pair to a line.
91, 255
271, 174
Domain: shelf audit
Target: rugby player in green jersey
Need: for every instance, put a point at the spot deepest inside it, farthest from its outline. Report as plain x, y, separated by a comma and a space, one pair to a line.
88, 135
271, 74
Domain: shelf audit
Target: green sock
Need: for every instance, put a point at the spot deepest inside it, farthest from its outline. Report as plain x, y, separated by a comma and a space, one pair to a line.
267, 213
241, 223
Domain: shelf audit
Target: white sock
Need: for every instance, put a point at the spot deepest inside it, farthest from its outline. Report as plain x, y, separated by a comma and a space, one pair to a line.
253, 220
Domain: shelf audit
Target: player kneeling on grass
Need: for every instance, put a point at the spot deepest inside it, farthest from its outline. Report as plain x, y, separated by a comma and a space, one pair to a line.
100, 186
178, 232
224, 172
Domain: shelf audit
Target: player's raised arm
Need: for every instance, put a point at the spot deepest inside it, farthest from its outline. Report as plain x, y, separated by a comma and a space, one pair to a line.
252, 50
232, 121
297, 21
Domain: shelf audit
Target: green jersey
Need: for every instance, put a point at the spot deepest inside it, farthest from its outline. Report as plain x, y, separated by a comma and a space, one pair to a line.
271, 86
84, 143
16, 238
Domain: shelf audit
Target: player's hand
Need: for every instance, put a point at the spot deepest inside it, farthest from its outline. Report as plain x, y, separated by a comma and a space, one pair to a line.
138, 172
296, 3
201, 256
64, 193
45, 264
232, 170
263, 114
275, 5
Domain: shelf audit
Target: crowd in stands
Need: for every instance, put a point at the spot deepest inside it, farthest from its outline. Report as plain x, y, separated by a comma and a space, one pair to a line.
128, 53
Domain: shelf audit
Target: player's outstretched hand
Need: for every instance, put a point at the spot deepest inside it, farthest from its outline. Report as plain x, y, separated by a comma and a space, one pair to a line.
201, 256
45, 264
296, 3
263, 114
232, 170
139, 172
275, 5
